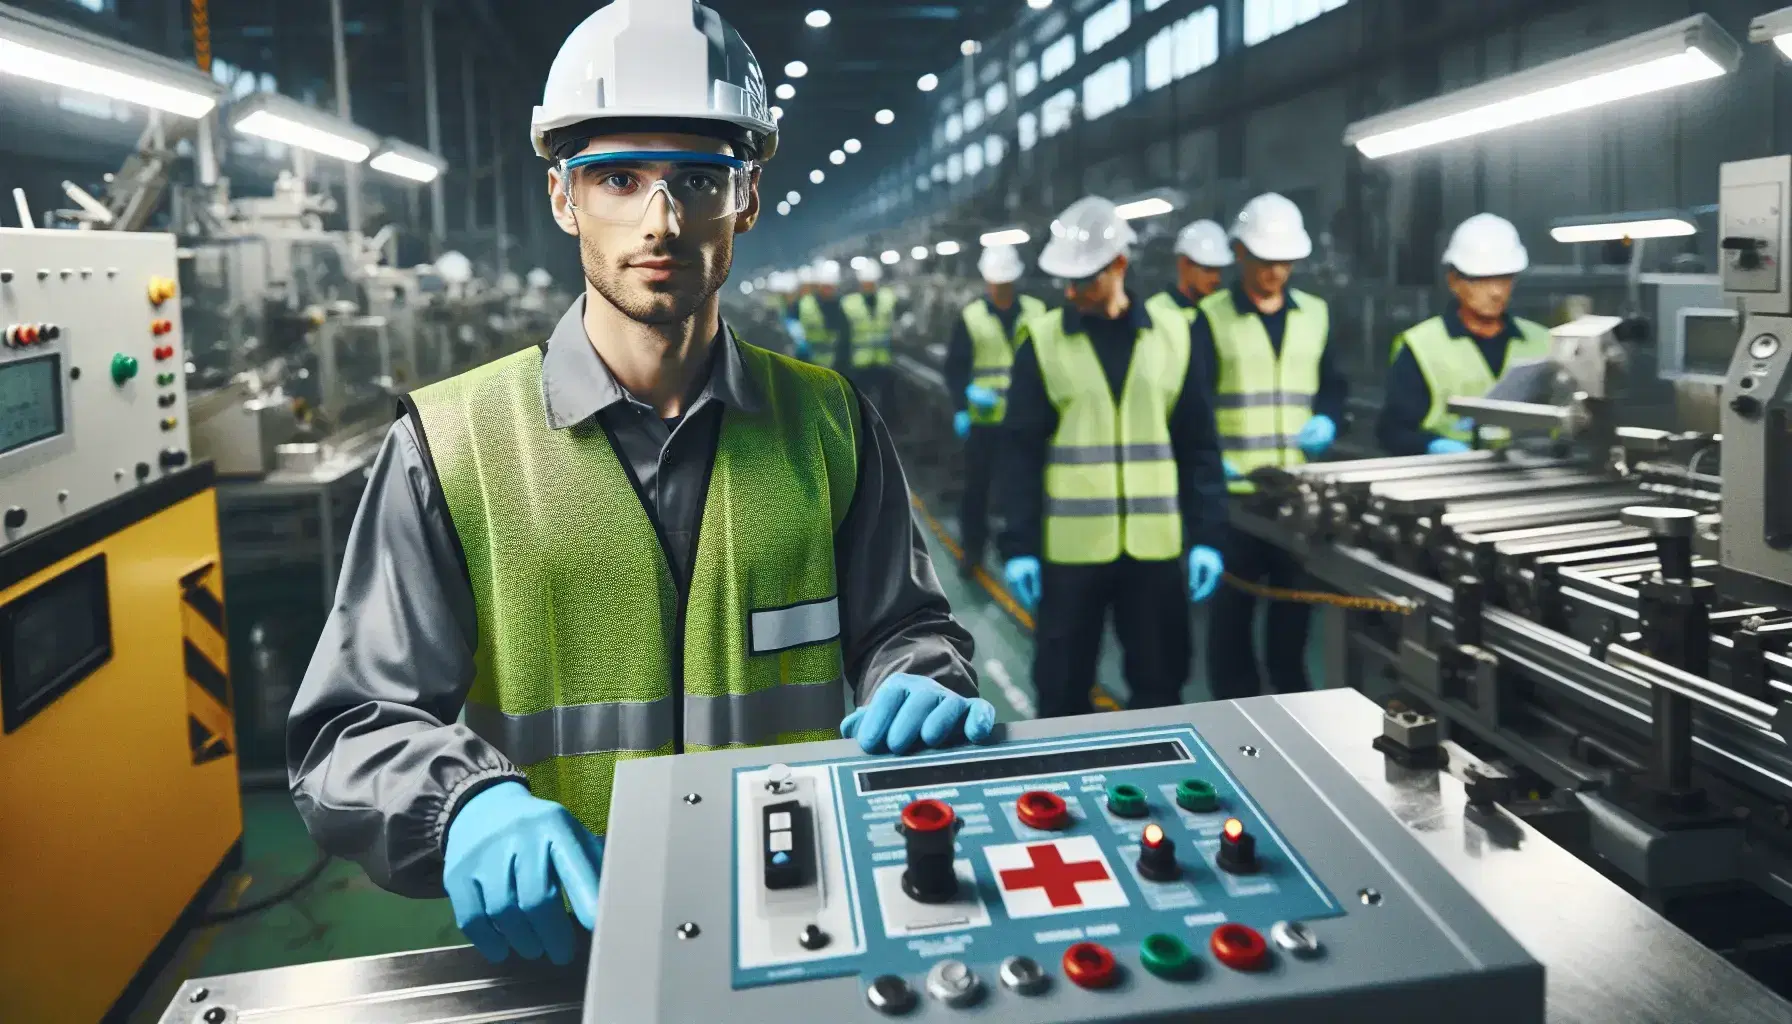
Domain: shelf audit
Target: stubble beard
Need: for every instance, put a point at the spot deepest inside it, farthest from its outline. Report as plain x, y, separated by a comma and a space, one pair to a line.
665, 303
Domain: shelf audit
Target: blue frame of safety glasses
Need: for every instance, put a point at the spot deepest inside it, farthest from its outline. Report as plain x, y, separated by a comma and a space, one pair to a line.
661, 157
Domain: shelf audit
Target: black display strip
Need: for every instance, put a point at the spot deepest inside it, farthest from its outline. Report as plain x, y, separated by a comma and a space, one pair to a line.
78, 532
1047, 762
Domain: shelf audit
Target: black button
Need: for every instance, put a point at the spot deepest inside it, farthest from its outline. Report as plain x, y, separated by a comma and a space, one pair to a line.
890, 994
15, 518
1747, 406
166, 400
51, 332
813, 937
143, 471
173, 458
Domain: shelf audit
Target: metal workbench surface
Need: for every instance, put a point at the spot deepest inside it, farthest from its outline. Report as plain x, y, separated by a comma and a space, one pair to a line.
1610, 959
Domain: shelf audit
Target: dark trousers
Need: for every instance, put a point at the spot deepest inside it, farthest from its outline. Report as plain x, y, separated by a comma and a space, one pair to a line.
877, 384
980, 451
1231, 631
1151, 617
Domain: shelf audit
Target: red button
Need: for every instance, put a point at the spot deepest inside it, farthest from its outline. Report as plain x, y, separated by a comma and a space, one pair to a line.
1090, 965
928, 816
28, 334
165, 352
1239, 947
1042, 810
161, 327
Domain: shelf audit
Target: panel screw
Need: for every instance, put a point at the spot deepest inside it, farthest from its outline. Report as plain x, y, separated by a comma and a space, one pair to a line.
215, 1015
693, 798
1370, 897
199, 995
689, 930
1248, 750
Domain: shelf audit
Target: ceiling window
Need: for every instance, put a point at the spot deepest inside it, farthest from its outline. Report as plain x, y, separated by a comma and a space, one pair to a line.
973, 115
1026, 78
1183, 48
1057, 58
973, 158
1266, 19
1055, 114
1152, 5
954, 128
1108, 89
996, 99
1029, 131
995, 148
1106, 24
96, 6
954, 169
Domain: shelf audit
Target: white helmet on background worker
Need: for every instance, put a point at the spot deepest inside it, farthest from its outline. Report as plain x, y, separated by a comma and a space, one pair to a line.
868, 271
540, 280
1000, 264
1204, 243
1086, 237
827, 272
1270, 228
805, 274
664, 61
455, 268
1486, 245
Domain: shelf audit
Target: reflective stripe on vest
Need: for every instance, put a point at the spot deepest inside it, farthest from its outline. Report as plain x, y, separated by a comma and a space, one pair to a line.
1110, 480
871, 327
992, 353
1262, 399
579, 657
1455, 368
817, 332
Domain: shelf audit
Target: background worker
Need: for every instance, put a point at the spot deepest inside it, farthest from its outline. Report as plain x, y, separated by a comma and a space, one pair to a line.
871, 312
1202, 255
1463, 352
1118, 498
1279, 398
824, 323
978, 360
528, 547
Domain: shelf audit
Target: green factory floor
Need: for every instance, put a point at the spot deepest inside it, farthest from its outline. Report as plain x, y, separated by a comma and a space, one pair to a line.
342, 914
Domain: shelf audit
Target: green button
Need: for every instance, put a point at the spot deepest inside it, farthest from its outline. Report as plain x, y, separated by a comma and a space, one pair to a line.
1127, 801
123, 368
1197, 796
164, 379
1167, 956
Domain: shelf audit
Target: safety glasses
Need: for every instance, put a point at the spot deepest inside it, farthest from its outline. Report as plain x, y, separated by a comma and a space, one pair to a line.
619, 187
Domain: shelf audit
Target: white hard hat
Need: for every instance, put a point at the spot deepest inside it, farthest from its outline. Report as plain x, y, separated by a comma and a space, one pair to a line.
1204, 242
805, 275
455, 268
510, 284
1000, 264
1271, 228
827, 272
869, 271
540, 280
1086, 237
660, 60
1486, 245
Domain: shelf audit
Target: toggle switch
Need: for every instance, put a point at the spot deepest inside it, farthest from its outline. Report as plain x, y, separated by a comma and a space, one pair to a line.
1157, 855
930, 832
1238, 849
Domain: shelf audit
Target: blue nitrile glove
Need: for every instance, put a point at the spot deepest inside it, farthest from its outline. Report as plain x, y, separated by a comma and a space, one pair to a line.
982, 397
1205, 567
1317, 436
909, 711
1446, 446
803, 351
1022, 575
1232, 472
510, 855
961, 424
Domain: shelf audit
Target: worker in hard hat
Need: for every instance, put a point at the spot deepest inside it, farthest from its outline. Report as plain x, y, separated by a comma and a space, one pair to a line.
1117, 498
644, 537
1203, 252
871, 314
1463, 352
1279, 397
825, 326
978, 360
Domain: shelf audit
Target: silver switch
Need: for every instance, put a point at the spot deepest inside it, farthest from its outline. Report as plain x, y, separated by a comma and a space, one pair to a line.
890, 994
1024, 975
1295, 938
954, 983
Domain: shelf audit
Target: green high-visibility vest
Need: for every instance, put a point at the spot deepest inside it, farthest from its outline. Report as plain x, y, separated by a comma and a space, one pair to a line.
992, 353
817, 331
1110, 477
589, 650
1262, 399
872, 325
1165, 304
1455, 368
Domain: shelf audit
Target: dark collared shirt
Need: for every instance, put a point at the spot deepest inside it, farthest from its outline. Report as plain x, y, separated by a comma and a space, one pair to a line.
1032, 420
1407, 401
377, 761
1333, 396
961, 354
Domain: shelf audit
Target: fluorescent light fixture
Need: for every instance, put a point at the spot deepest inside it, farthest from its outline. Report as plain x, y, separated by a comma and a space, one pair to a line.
795, 69
818, 19
786, 91
271, 116
777, 112
47, 51
1039, 5
836, 158
946, 249
746, 287
783, 209
928, 83
1153, 207
919, 252
969, 47
1007, 236
886, 116
817, 176
793, 197
852, 146
1689, 50
860, 261
403, 160
891, 257
1775, 26
1618, 226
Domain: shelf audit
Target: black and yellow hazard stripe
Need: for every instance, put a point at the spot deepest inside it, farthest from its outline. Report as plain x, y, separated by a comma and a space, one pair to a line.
207, 662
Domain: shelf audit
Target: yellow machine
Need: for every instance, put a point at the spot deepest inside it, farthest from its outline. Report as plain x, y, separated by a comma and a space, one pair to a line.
119, 803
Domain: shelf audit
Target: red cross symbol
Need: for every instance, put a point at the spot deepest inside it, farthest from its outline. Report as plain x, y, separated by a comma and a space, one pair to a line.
1051, 873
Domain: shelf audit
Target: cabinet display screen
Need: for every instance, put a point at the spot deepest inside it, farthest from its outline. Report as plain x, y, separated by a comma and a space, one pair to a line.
30, 401
990, 769
52, 638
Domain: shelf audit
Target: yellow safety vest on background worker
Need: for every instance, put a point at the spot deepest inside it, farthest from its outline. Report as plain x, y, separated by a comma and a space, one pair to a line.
992, 353
1262, 400
1165, 304
872, 327
1455, 368
1110, 480
579, 611
817, 332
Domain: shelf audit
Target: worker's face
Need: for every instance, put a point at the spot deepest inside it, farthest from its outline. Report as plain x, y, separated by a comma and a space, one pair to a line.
660, 270
827, 291
1261, 277
867, 286
1002, 294
1195, 279
1094, 294
1485, 297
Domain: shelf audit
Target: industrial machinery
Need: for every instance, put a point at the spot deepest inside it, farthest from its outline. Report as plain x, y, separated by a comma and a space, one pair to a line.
118, 784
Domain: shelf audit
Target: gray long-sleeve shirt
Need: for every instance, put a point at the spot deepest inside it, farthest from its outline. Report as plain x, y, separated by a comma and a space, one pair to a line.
377, 760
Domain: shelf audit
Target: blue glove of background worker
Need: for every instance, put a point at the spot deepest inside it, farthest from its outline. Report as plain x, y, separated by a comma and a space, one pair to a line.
1446, 446
1205, 567
1022, 575
1317, 436
1232, 472
982, 397
961, 424
909, 711
510, 855
803, 351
